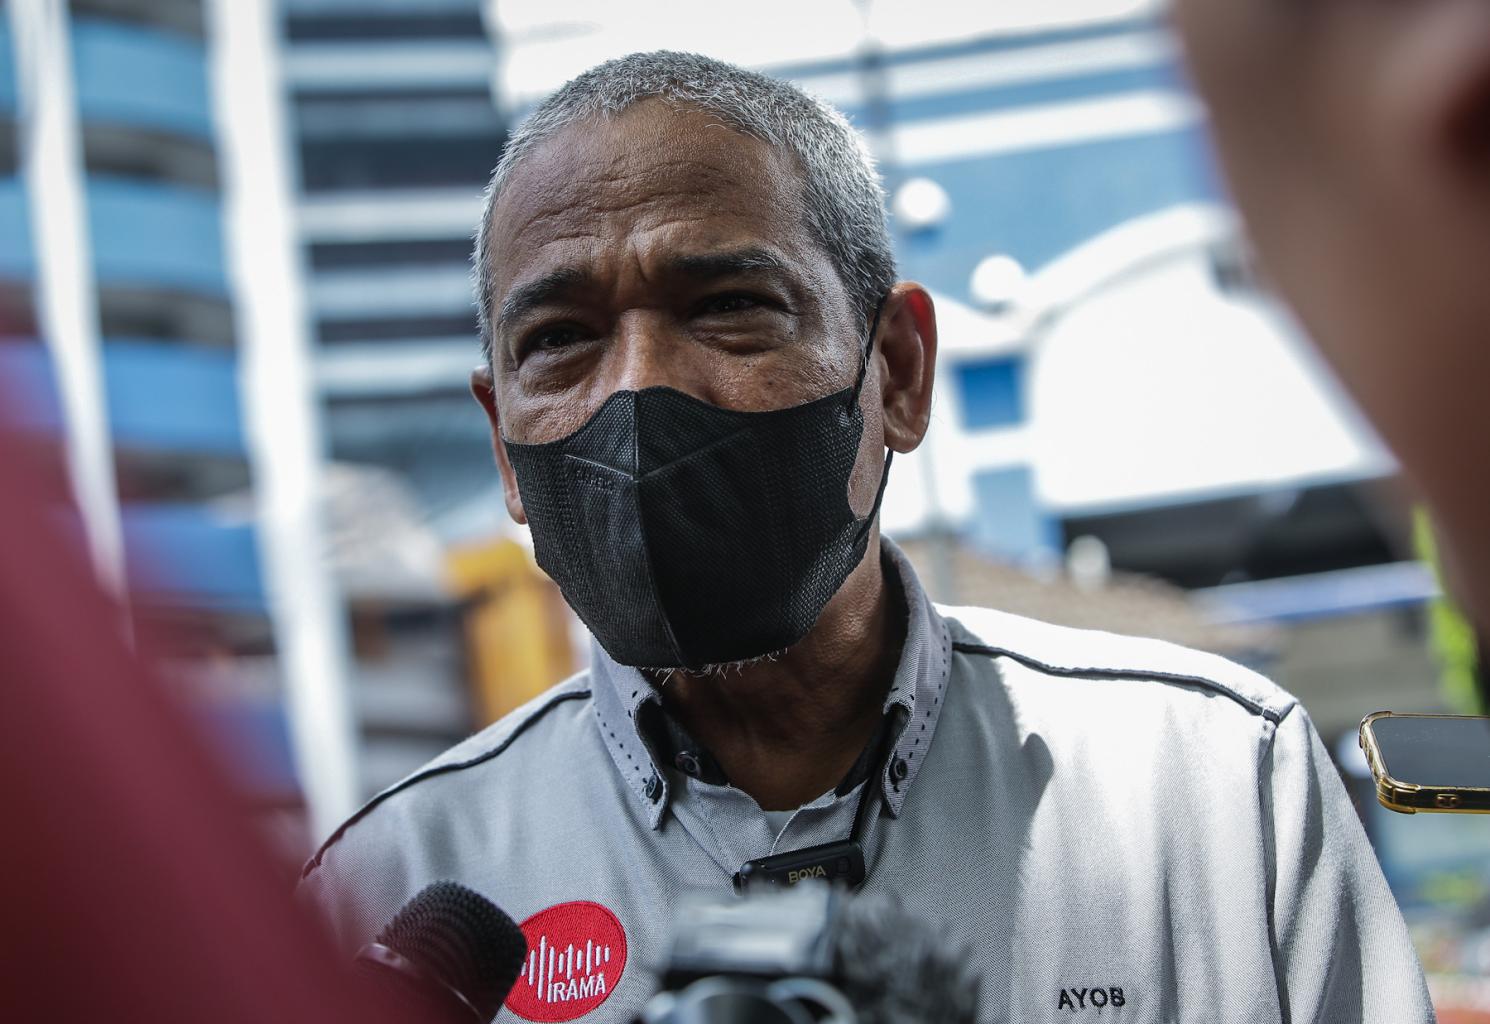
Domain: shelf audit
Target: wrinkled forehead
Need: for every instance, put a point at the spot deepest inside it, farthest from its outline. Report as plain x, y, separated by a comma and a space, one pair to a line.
650, 179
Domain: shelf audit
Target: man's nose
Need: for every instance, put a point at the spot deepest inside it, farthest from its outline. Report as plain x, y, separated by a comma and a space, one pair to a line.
648, 352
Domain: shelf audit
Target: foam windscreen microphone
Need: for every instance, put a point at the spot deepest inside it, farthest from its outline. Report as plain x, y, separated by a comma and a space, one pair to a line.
811, 952
898, 967
450, 955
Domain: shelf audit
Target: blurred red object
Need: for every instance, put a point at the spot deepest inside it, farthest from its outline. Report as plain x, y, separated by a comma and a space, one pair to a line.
1449, 1015
137, 890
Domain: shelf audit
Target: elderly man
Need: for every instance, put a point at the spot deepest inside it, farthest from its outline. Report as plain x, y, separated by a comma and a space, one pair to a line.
698, 357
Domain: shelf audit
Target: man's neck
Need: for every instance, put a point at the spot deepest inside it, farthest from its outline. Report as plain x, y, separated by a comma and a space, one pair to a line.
788, 730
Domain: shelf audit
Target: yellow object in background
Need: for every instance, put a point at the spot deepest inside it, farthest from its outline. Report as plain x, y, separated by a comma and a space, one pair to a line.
516, 624
1450, 635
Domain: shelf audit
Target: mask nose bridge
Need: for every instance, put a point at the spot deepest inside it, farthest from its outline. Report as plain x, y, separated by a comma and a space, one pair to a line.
649, 358
610, 440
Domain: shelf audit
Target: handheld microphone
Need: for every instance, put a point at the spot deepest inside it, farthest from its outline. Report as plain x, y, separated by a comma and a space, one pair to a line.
448, 957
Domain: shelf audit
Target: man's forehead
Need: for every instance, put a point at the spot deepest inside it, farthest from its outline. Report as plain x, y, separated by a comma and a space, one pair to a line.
653, 128
649, 143
654, 177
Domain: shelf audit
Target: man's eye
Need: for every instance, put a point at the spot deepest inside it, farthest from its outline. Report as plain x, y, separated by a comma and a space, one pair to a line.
732, 303
549, 338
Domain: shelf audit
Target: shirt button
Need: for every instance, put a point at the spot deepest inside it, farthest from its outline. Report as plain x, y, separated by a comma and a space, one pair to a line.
899, 769
687, 763
654, 789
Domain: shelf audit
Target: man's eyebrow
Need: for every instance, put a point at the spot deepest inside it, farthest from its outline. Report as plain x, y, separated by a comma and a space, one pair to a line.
707, 266
538, 291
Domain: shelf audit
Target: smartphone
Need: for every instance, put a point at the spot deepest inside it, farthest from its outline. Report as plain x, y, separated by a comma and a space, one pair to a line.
1429, 762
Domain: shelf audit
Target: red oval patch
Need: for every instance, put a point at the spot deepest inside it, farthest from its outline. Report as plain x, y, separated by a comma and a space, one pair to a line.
576, 953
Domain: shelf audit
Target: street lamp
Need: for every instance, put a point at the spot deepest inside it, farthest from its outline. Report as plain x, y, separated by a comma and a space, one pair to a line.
997, 283
920, 205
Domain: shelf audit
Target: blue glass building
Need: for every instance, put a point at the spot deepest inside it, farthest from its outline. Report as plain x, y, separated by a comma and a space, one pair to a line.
161, 307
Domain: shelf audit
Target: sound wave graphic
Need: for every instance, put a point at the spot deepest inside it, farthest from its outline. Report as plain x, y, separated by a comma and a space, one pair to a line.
546, 964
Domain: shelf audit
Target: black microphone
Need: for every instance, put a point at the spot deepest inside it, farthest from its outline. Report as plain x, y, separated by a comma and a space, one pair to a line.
448, 957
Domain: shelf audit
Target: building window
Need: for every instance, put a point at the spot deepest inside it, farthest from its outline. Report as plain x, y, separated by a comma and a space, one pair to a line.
163, 315
184, 16
9, 155
401, 253
144, 155
369, 24
394, 329
1009, 522
991, 392
393, 163
17, 308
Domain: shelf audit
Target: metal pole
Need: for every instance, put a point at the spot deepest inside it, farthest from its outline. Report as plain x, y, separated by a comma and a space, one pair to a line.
66, 295
281, 404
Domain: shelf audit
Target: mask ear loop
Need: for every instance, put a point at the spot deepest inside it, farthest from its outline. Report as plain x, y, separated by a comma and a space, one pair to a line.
874, 328
853, 401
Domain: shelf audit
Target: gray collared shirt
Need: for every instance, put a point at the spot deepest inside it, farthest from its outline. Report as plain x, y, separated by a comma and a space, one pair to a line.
1114, 828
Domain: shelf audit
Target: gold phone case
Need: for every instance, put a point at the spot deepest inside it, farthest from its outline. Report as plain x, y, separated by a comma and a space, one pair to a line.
1408, 797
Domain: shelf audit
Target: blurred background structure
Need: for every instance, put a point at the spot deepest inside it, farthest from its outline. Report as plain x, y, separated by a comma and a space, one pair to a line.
235, 311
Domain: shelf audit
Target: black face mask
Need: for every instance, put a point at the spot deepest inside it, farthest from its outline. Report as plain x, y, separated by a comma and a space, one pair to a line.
684, 534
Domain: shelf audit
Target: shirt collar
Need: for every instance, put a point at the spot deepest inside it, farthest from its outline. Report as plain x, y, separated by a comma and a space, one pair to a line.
912, 705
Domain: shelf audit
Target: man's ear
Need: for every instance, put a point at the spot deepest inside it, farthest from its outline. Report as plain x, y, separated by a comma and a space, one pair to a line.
906, 355
485, 390
1437, 88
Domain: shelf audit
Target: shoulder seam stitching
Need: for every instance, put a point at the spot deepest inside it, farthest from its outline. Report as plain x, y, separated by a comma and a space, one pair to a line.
1270, 714
442, 769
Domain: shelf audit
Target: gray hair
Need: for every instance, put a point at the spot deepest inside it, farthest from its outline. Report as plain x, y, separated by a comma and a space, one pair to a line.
843, 200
